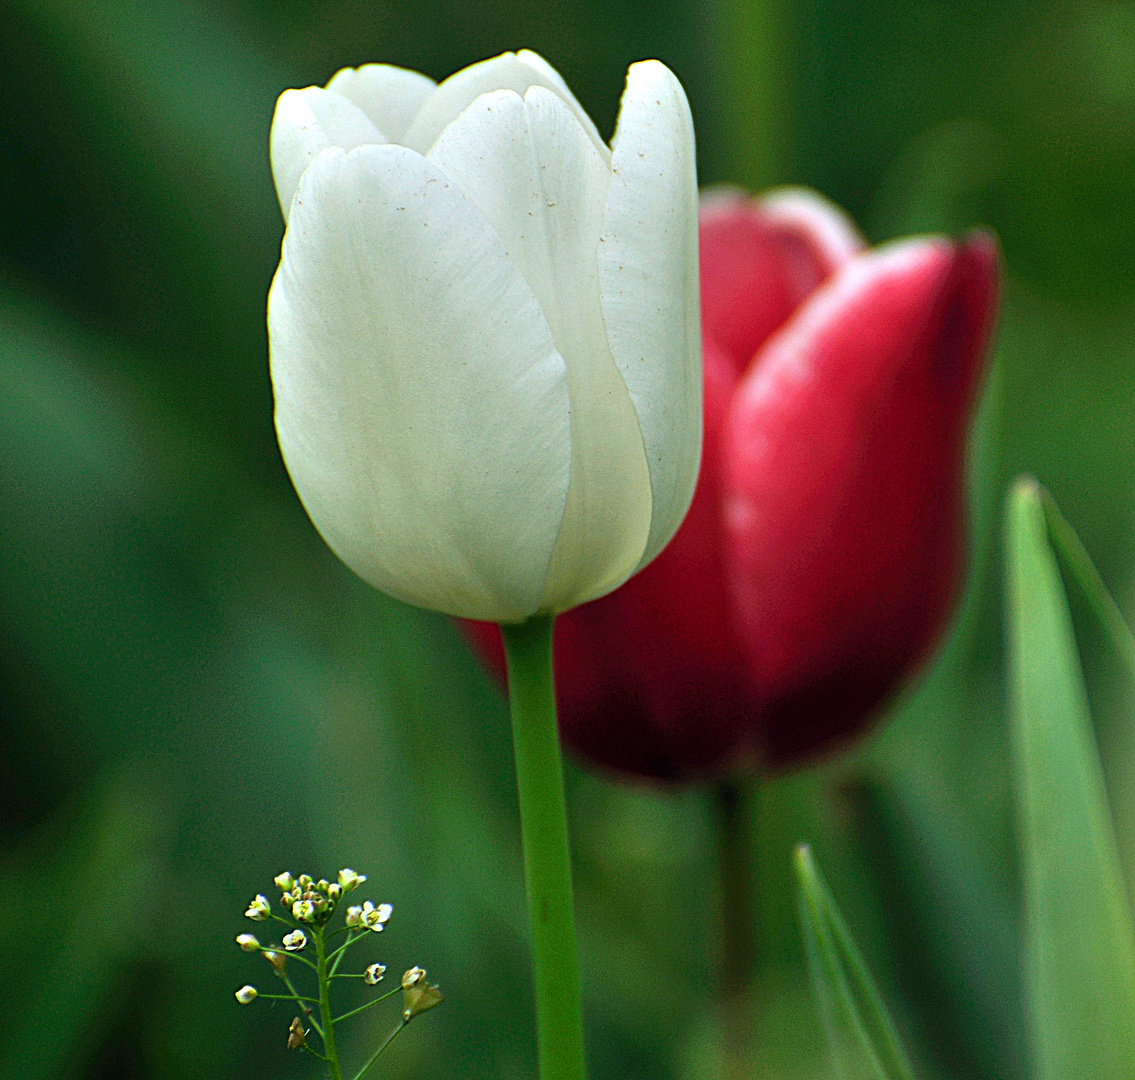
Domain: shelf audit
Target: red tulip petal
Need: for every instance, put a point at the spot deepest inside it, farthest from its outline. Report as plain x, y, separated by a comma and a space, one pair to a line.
844, 477
760, 258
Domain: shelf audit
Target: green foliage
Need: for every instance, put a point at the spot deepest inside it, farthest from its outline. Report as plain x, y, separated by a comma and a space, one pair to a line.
1079, 941
861, 1035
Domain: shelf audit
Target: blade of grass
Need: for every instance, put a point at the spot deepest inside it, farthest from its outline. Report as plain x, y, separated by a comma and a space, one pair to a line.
862, 1037
1079, 944
1077, 563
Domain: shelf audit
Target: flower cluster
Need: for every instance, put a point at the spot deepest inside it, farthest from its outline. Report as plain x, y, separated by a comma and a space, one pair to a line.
309, 901
312, 903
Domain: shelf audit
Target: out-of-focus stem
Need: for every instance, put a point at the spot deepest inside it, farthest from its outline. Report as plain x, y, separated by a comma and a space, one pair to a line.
547, 865
733, 804
753, 50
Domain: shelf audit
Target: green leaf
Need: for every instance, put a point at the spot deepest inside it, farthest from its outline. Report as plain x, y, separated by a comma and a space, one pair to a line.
1079, 945
1076, 562
861, 1035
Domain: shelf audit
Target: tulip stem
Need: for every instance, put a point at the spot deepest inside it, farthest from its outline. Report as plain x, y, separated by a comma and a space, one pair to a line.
733, 804
547, 863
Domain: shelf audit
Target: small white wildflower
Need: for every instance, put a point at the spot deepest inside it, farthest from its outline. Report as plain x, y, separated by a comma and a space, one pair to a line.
374, 918
353, 915
247, 942
285, 882
412, 977
349, 880
295, 941
373, 974
246, 995
259, 909
303, 911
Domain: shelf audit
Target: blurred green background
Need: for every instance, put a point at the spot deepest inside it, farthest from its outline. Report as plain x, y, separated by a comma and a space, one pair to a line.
196, 695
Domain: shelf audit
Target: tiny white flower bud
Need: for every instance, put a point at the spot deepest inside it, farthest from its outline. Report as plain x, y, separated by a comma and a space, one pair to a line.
412, 977
322, 884
295, 941
373, 974
353, 916
304, 881
246, 995
285, 882
278, 960
349, 880
247, 942
334, 891
303, 911
259, 909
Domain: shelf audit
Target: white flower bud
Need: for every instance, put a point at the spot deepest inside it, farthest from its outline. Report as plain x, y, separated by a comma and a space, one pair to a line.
247, 942
353, 916
246, 995
295, 941
303, 911
349, 880
285, 882
334, 891
259, 909
373, 974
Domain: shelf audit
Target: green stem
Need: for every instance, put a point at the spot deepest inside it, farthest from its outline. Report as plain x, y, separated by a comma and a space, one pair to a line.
300, 1001
386, 1042
325, 1007
754, 49
337, 955
369, 1004
733, 803
547, 864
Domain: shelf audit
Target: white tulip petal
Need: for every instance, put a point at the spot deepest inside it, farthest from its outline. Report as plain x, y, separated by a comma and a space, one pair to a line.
307, 122
536, 176
390, 96
555, 81
648, 271
505, 72
421, 405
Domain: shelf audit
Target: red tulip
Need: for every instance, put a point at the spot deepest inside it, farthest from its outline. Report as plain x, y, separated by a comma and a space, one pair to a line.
825, 546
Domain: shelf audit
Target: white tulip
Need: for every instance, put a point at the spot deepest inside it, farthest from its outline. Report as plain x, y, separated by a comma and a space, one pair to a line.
484, 330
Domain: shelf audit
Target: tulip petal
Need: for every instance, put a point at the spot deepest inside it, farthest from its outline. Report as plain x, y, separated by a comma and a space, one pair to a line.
421, 405
307, 122
509, 71
648, 272
761, 258
390, 96
844, 483
537, 178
